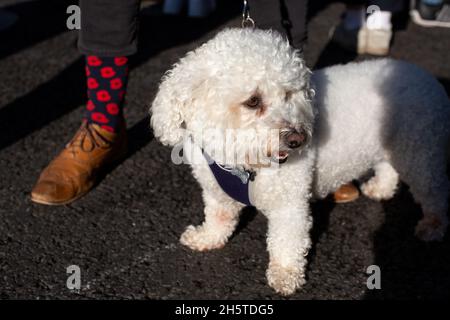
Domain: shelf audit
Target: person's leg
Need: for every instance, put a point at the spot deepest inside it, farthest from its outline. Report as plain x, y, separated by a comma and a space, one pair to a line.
348, 33
431, 13
107, 36
108, 27
381, 12
201, 8
372, 35
285, 16
173, 6
354, 16
379, 26
106, 82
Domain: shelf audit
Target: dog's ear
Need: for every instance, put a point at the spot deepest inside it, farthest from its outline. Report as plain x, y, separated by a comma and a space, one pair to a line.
180, 89
167, 110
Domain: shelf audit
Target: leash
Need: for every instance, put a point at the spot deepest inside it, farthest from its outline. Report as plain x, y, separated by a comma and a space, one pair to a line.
285, 20
286, 23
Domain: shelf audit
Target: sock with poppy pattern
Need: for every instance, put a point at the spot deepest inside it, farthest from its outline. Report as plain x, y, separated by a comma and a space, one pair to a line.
106, 84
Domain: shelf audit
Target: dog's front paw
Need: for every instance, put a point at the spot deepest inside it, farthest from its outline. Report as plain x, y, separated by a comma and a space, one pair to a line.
201, 239
285, 280
431, 228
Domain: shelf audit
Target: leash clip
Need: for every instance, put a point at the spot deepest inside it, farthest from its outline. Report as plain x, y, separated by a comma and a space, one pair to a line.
241, 174
247, 21
244, 175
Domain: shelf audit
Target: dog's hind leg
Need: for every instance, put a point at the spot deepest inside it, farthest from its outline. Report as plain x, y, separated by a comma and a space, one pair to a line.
434, 201
429, 185
383, 185
221, 219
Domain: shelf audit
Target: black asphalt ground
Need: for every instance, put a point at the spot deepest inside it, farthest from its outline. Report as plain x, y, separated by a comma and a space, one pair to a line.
124, 234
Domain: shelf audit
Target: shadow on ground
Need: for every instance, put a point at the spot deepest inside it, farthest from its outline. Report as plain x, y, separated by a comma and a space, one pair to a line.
67, 90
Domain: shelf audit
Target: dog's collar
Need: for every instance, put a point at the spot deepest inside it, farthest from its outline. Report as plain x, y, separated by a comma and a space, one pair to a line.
234, 181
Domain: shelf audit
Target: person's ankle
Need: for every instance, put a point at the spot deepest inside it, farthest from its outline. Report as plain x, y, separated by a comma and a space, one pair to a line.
119, 127
107, 79
379, 20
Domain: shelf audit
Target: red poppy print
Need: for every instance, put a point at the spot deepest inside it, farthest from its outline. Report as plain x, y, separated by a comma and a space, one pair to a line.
116, 83
112, 108
120, 61
99, 117
106, 79
103, 96
107, 72
94, 61
90, 105
107, 128
92, 83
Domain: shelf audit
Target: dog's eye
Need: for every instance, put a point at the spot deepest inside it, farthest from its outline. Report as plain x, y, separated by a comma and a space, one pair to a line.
288, 95
254, 102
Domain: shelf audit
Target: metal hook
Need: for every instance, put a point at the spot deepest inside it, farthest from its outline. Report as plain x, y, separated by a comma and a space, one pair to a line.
246, 20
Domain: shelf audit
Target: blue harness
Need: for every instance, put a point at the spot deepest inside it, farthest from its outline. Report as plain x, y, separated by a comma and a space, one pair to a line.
233, 182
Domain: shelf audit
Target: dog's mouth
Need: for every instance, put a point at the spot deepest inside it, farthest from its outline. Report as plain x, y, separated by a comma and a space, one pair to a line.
281, 156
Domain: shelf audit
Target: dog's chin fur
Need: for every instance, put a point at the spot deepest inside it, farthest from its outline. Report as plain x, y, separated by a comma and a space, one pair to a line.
385, 115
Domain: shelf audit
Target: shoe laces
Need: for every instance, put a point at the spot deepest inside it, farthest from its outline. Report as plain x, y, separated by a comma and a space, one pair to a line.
95, 138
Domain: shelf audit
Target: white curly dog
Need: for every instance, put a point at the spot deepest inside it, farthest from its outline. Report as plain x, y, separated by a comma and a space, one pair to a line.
382, 115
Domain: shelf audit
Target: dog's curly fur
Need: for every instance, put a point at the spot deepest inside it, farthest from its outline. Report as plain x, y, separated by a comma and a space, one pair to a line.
385, 115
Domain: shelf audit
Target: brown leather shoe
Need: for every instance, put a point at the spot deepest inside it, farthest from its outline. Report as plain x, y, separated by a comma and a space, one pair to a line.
76, 169
346, 193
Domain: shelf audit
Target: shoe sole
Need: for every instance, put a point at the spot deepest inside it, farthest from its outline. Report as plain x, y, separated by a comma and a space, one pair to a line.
60, 203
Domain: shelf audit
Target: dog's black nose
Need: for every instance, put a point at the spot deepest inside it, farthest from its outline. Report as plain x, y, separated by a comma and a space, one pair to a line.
295, 139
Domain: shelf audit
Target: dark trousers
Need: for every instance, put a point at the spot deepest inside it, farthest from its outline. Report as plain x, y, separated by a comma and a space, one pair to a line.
109, 27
